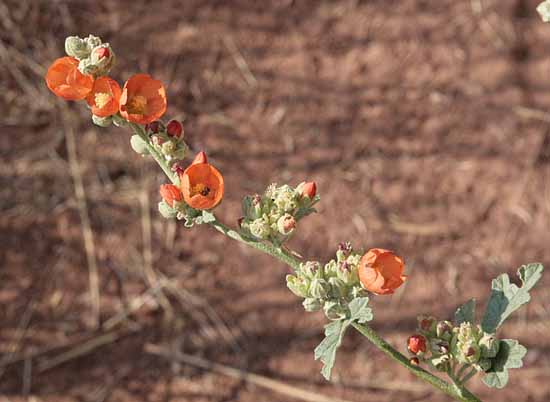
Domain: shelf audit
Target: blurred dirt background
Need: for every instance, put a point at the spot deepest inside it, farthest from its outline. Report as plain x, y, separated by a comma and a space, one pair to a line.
424, 123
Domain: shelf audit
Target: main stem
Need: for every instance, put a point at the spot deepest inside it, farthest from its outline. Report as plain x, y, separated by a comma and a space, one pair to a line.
454, 390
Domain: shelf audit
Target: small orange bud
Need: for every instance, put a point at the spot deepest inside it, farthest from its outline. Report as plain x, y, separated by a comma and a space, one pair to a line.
102, 52
309, 189
200, 158
174, 129
381, 271
170, 194
416, 344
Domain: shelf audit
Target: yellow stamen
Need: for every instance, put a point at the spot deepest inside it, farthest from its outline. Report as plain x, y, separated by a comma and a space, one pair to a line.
200, 189
137, 104
101, 99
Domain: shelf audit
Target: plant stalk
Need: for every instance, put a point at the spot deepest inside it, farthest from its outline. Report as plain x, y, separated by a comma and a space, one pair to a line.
454, 390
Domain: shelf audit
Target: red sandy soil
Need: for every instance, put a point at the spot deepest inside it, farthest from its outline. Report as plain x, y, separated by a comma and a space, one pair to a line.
423, 122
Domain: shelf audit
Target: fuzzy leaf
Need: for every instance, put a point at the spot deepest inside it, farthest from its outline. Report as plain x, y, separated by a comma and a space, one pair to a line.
510, 355
466, 312
506, 297
359, 311
208, 217
334, 333
326, 350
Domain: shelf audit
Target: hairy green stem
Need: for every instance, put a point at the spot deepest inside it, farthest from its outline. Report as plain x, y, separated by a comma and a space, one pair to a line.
455, 390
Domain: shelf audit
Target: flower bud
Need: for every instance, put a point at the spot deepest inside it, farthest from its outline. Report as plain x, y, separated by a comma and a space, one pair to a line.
286, 224
544, 10
309, 189
138, 145
470, 353
157, 140
154, 127
178, 167
311, 305
319, 288
310, 269
489, 345
175, 129
170, 194
427, 324
444, 330
102, 52
168, 148
298, 286
416, 344
338, 288
200, 158
334, 310
259, 228
76, 47
440, 363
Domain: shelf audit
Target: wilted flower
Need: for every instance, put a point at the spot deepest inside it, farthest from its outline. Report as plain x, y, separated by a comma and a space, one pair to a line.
381, 271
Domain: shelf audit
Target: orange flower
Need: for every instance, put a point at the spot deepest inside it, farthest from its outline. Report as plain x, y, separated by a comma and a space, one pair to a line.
202, 184
66, 81
143, 99
170, 194
381, 271
105, 97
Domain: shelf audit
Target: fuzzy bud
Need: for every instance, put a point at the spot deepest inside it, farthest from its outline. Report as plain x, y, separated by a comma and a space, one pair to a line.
544, 10
298, 286
286, 224
76, 47
311, 305
426, 324
319, 288
259, 228
416, 344
154, 127
138, 145
174, 129
444, 330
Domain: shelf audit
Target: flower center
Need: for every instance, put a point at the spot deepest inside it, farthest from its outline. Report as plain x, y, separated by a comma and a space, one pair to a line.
200, 189
101, 99
137, 104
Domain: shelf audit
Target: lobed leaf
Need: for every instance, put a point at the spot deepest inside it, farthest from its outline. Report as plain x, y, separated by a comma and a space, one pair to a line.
506, 297
510, 355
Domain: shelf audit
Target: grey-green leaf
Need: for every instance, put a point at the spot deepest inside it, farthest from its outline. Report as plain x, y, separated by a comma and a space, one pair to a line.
506, 297
466, 312
359, 311
326, 350
510, 355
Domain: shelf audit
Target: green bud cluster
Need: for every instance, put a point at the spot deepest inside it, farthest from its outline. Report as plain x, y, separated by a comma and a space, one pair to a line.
466, 344
172, 148
330, 287
274, 215
93, 60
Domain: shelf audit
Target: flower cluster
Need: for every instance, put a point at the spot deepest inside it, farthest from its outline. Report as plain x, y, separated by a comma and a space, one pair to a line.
443, 345
83, 74
274, 215
333, 286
